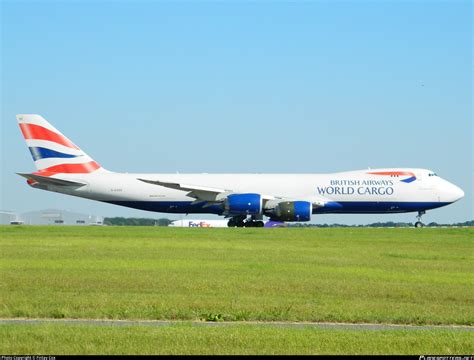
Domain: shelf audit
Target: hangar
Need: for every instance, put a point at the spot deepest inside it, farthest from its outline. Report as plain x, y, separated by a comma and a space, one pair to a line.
50, 217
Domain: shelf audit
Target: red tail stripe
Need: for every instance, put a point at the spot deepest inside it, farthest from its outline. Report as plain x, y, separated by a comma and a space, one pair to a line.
399, 173
36, 132
70, 169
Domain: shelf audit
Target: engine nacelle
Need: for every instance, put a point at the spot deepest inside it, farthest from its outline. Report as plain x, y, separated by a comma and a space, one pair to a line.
243, 204
293, 211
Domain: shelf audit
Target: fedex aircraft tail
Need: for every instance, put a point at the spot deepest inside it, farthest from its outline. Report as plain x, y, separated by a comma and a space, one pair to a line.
52, 152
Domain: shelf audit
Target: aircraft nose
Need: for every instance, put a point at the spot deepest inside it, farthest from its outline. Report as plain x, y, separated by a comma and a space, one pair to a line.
455, 192
459, 192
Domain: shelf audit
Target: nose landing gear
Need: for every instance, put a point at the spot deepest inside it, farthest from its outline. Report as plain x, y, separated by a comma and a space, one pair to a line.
419, 224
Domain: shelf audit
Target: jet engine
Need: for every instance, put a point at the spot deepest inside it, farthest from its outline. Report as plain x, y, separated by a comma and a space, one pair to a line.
243, 204
292, 211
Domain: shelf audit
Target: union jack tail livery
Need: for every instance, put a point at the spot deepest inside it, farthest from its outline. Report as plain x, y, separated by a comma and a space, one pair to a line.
52, 152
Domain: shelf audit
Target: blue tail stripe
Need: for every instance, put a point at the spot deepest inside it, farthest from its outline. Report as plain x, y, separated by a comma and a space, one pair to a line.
44, 153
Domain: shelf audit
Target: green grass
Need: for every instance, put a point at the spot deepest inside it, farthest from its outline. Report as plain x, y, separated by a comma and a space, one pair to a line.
405, 276
235, 339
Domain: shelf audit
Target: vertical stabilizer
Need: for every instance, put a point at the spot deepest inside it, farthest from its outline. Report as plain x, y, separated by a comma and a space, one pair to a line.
53, 152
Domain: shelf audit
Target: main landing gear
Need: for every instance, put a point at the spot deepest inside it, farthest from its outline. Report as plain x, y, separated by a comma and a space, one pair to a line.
243, 221
419, 224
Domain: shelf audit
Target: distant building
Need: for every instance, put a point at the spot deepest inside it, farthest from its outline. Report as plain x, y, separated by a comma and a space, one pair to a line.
51, 217
9, 217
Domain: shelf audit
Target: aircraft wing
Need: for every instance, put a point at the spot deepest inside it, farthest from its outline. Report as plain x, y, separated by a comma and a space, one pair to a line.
200, 193
217, 195
184, 187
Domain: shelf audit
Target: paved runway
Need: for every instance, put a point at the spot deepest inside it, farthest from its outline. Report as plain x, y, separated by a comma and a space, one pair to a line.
105, 322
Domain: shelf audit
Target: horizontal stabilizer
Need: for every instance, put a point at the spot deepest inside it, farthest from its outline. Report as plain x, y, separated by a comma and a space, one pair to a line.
46, 180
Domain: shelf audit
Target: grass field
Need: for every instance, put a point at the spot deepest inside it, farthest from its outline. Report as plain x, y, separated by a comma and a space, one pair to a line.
239, 339
403, 276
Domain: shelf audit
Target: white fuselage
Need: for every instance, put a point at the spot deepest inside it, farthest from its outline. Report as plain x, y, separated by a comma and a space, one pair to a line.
345, 192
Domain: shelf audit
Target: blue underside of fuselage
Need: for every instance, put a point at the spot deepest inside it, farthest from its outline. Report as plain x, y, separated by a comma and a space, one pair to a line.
340, 207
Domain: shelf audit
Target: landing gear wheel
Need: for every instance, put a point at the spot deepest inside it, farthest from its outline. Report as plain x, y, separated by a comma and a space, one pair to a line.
419, 224
259, 224
236, 221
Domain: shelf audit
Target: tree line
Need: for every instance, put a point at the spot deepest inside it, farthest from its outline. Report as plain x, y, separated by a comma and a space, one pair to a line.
122, 221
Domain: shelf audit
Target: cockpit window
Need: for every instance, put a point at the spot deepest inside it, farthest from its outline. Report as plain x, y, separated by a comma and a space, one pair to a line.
432, 174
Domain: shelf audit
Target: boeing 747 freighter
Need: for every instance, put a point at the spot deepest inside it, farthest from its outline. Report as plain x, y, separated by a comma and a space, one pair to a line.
242, 198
